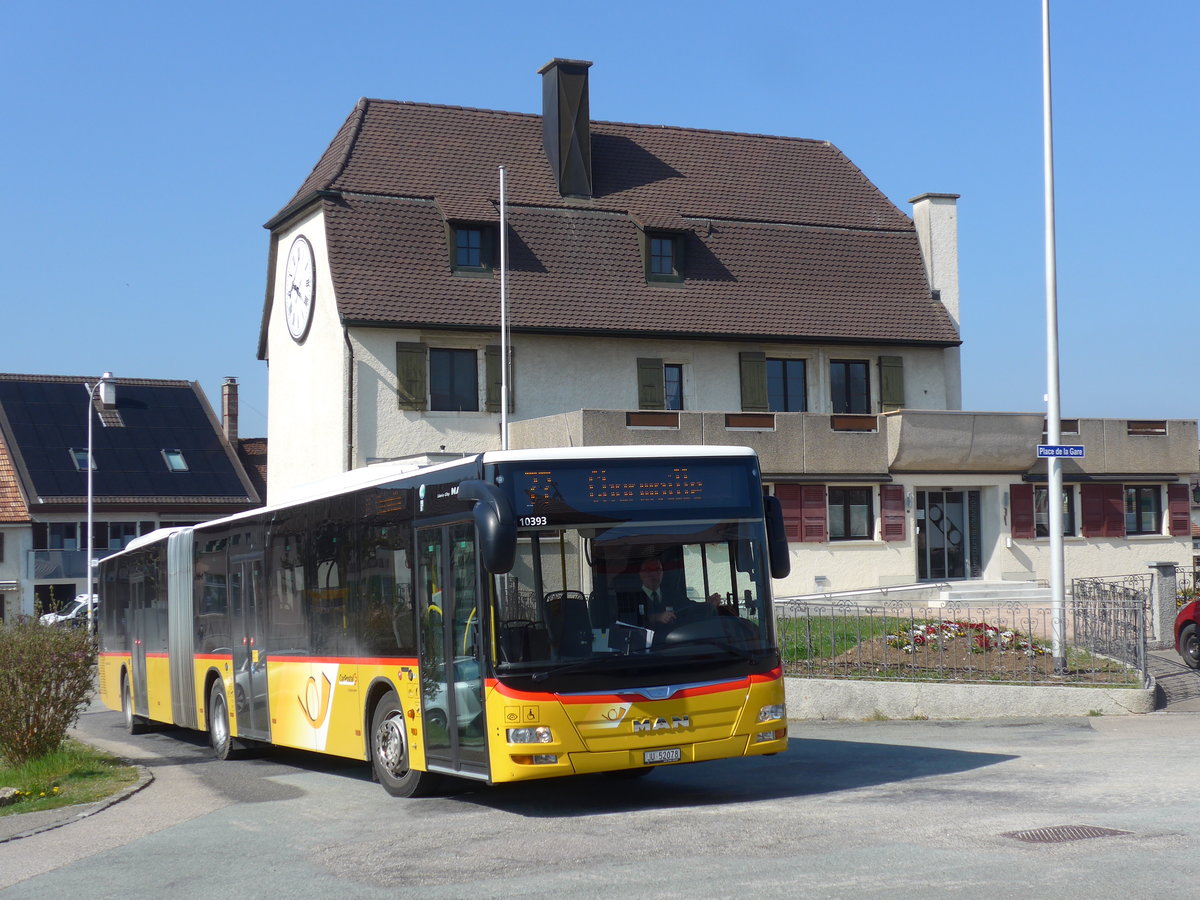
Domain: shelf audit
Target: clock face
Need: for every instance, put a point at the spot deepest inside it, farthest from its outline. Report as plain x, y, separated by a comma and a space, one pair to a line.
298, 288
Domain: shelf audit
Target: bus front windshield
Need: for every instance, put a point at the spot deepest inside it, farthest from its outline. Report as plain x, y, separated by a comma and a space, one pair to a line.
669, 602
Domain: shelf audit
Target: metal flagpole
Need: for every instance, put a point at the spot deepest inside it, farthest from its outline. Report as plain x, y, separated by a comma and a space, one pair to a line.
503, 311
1054, 486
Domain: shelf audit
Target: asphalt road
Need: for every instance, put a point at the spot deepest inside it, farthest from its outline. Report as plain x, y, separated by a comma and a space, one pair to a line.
868, 809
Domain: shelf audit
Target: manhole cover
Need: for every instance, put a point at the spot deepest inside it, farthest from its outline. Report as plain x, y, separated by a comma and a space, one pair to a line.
1060, 834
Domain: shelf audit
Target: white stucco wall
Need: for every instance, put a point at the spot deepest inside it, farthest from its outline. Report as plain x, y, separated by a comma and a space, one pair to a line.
860, 565
554, 374
306, 412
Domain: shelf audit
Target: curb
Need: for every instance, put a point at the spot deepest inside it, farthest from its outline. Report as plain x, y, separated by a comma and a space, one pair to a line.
56, 818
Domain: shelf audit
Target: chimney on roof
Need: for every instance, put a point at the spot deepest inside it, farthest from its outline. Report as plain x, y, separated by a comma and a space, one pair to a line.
566, 125
229, 409
935, 217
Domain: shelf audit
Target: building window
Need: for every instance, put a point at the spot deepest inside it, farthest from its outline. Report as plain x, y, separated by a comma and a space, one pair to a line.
120, 534
471, 249
786, 389
55, 536
849, 386
1041, 511
1, 546
453, 380
80, 458
851, 516
663, 253
672, 386
1143, 510
175, 460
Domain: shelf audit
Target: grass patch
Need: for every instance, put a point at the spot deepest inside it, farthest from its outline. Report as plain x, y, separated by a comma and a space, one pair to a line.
75, 773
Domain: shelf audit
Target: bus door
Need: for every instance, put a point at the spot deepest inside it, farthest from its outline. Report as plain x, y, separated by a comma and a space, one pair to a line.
451, 651
249, 649
139, 615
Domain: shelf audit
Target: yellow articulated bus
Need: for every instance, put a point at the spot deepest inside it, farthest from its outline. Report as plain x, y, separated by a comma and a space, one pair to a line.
508, 616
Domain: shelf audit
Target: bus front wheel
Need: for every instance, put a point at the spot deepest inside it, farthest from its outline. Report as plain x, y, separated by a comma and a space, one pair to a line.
389, 752
223, 744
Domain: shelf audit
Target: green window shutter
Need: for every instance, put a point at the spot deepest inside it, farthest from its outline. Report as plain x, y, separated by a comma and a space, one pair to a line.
411, 368
754, 381
651, 391
495, 387
891, 382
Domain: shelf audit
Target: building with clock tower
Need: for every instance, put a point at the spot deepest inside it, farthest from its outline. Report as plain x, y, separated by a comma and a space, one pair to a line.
674, 285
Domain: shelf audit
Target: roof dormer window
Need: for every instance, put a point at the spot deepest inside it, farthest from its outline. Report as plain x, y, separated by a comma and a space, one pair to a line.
79, 456
470, 249
663, 255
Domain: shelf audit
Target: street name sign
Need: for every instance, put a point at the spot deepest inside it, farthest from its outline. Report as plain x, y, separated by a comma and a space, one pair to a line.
1060, 451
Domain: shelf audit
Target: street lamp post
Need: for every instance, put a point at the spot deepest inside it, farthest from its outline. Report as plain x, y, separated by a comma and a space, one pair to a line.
106, 387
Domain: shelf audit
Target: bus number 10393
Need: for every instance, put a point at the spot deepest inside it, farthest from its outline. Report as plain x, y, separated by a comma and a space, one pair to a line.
525, 521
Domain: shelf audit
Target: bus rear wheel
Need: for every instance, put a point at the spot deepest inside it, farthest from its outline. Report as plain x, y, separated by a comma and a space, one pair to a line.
133, 724
219, 735
389, 752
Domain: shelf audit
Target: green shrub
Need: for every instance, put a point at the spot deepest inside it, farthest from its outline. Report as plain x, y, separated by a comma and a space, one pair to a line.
45, 681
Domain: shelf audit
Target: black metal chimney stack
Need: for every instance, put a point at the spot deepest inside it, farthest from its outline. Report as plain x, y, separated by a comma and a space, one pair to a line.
566, 125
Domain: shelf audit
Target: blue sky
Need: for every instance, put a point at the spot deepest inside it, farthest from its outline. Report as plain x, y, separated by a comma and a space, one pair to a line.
145, 144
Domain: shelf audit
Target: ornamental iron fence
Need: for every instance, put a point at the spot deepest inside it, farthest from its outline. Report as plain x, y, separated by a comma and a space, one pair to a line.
1004, 643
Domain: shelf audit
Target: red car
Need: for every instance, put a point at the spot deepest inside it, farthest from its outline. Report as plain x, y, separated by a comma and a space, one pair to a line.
1187, 634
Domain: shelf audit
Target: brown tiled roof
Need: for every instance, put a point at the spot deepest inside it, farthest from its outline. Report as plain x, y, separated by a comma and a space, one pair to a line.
742, 279
12, 503
786, 239
252, 452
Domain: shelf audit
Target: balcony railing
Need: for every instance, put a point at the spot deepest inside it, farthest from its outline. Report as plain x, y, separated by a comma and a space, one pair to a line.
57, 564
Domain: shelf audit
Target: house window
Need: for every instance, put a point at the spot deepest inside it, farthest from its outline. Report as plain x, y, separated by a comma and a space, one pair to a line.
471, 249
663, 253
660, 385
849, 386
453, 380
55, 536
468, 247
120, 534
80, 458
672, 386
1, 546
175, 460
1041, 511
1143, 510
786, 390
851, 516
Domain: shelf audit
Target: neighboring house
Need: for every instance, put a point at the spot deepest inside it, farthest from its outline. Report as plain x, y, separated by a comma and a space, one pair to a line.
159, 457
667, 285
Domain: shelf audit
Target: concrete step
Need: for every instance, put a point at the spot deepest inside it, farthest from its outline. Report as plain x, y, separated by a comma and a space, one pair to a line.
995, 593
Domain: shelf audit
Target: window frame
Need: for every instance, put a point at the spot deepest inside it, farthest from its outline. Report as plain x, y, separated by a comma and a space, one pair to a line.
174, 459
1041, 511
671, 239
784, 363
673, 390
1152, 491
485, 249
846, 383
840, 525
79, 455
453, 353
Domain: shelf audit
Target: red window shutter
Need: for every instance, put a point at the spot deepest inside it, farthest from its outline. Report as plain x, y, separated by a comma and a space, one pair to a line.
1103, 510
1020, 504
1114, 509
1179, 510
815, 513
788, 496
891, 512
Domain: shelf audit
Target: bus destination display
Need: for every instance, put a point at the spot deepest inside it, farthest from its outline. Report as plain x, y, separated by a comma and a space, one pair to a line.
550, 494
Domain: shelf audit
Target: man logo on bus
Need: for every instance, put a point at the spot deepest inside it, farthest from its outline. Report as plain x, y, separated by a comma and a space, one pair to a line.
662, 722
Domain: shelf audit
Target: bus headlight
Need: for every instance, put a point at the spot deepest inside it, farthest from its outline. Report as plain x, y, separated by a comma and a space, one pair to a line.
774, 711
539, 735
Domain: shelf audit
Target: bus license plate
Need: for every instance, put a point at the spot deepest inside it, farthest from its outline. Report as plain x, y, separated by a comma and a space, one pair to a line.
661, 756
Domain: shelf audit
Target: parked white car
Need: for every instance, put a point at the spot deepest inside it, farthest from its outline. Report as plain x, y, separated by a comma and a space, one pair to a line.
74, 613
